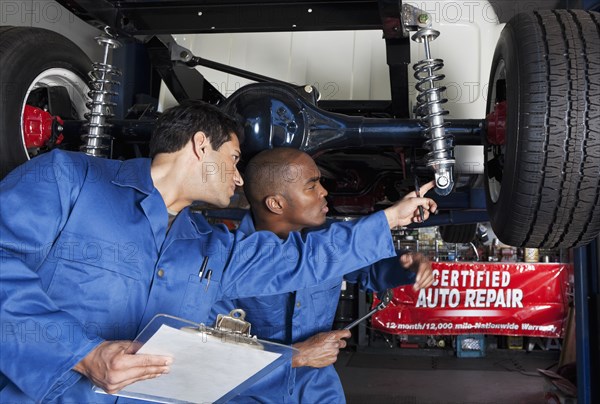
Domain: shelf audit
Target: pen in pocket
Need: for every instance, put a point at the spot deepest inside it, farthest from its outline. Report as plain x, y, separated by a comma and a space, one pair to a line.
202, 268
208, 276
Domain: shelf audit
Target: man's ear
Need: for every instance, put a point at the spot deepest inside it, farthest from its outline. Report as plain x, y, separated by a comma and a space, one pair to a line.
199, 144
275, 204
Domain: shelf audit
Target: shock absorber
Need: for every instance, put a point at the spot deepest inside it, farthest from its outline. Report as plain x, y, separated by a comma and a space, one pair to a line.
429, 110
98, 140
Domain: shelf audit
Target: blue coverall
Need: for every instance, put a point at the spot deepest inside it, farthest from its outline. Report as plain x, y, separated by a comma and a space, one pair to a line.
294, 317
86, 257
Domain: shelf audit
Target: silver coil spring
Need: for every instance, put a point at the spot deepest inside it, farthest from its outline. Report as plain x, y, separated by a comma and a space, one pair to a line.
97, 140
431, 113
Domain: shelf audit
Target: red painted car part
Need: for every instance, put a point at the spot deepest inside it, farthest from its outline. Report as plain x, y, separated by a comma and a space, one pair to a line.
496, 124
37, 127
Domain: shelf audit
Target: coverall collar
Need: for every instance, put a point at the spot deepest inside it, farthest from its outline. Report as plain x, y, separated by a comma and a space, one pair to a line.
192, 224
247, 224
135, 173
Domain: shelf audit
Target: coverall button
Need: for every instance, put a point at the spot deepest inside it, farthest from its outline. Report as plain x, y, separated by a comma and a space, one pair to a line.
161, 273
298, 304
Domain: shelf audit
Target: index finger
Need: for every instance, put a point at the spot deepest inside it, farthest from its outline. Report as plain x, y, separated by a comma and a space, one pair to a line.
427, 187
342, 333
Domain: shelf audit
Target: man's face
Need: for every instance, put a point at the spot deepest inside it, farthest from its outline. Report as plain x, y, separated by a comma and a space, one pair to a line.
307, 206
220, 175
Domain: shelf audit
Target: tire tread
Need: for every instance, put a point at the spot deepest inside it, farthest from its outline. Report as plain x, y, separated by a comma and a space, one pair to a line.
554, 197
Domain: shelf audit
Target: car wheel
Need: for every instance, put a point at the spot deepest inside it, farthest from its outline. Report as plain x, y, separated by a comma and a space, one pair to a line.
543, 138
458, 233
47, 72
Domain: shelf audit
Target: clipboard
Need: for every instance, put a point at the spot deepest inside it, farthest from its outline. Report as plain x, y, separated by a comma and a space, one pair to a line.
210, 365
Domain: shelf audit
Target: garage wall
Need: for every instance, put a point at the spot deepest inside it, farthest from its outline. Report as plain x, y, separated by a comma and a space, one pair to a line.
341, 64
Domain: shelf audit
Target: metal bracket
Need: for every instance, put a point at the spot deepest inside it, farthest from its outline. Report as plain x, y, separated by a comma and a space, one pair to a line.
184, 82
413, 19
399, 19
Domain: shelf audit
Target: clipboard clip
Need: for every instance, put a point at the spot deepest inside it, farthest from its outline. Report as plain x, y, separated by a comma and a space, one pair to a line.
233, 328
234, 323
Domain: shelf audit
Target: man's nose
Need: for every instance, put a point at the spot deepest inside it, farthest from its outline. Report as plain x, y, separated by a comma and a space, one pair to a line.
324, 192
237, 178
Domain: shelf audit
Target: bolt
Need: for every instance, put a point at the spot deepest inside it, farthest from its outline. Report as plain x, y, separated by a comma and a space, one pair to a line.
423, 18
442, 182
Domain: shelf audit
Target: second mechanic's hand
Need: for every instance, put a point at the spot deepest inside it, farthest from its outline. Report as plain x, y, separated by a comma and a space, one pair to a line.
406, 210
320, 350
419, 264
112, 367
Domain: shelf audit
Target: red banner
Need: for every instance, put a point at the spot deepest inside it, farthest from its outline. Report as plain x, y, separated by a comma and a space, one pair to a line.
519, 299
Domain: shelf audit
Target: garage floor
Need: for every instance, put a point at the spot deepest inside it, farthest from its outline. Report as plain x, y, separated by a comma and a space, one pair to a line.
380, 375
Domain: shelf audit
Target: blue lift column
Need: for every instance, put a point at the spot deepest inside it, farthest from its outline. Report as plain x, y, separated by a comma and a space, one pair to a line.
587, 321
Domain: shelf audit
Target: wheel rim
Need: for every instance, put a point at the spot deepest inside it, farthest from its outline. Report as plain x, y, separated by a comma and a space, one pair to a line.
74, 84
496, 152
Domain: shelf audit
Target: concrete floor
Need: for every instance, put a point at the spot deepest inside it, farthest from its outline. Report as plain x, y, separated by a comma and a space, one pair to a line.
404, 376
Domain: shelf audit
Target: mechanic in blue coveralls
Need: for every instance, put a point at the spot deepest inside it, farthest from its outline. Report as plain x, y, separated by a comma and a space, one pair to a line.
91, 249
284, 190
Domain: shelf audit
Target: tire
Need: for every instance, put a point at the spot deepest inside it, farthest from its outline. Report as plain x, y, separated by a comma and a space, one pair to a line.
543, 181
32, 58
458, 233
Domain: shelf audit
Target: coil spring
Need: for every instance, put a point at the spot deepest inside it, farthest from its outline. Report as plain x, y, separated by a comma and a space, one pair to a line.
98, 139
430, 112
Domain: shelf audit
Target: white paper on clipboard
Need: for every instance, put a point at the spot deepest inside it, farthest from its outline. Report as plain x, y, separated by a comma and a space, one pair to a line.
206, 368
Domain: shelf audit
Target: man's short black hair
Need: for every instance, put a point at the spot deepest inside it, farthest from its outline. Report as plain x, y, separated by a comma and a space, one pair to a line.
176, 126
270, 172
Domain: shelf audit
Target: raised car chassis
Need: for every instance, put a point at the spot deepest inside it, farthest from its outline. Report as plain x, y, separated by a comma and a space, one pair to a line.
153, 23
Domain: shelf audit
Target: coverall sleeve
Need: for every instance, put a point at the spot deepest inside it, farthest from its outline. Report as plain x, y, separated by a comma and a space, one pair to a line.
385, 274
262, 264
39, 347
